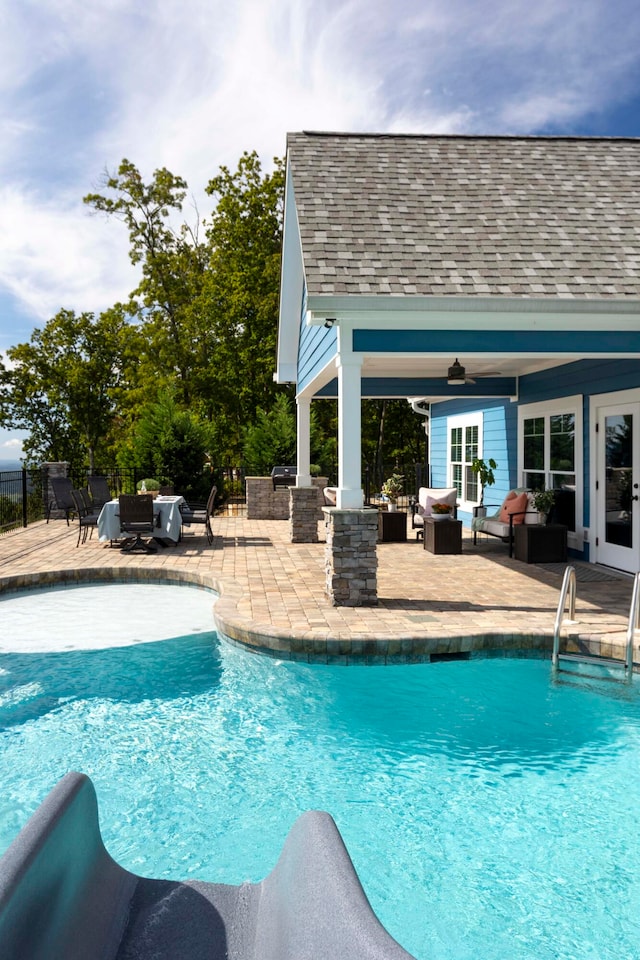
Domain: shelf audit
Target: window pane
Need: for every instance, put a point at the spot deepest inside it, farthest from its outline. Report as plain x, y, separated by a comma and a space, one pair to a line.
456, 445
562, 442
471, 492
456, 477
534, 443
471, 444
534, 481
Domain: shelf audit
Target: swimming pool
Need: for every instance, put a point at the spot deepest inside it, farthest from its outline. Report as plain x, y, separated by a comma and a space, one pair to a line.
490, 812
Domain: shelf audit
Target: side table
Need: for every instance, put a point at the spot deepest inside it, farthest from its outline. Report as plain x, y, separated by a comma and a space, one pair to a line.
442, 536
392, 527
540, 543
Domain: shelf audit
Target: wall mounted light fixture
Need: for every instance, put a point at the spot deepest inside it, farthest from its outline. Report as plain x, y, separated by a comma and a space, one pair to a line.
329, 323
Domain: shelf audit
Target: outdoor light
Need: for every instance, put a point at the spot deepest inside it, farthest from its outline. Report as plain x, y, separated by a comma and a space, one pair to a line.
329, 323
456, 373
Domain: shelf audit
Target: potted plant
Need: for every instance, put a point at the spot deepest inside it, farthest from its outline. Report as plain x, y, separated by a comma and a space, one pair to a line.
543, 500
148, 485
483, 470
441, 511
392, 488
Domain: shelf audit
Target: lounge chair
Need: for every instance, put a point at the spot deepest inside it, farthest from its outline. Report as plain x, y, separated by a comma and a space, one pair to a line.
137, 519
61, 488
422, 507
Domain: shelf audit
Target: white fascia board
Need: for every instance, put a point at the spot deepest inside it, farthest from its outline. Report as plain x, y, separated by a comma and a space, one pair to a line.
321, 379
501, 313
291, 289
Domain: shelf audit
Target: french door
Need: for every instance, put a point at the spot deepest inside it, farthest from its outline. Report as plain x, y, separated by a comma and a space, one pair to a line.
618, 486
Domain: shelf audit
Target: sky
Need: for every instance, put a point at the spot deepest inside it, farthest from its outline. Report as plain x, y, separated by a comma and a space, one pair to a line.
191, 84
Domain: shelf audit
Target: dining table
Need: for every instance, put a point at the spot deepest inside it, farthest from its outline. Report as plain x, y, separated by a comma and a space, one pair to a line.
166, 511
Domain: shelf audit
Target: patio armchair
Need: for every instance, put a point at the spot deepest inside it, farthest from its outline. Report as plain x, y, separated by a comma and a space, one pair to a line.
99, 490
136, 519
87, 516
201, 513
422, 507
61, 488
517, 507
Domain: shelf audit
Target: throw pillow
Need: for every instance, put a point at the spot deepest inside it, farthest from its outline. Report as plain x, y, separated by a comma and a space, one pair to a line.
513, 504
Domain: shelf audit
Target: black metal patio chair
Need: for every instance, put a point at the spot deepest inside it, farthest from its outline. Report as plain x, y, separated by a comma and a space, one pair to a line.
61, 488
99, 490
136, 520
87, 516
201, 513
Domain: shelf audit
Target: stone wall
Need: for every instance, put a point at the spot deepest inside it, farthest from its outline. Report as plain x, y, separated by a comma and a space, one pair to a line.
49, 472
265, 503
303, 514
351, 561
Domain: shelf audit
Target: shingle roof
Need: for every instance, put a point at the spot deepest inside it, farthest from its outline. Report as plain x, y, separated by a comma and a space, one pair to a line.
448, 215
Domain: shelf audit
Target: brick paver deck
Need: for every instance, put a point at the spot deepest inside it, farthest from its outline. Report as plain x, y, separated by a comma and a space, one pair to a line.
272, 592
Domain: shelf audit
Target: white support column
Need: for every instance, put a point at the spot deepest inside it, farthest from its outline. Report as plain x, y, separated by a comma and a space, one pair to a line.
349, 493
303, 412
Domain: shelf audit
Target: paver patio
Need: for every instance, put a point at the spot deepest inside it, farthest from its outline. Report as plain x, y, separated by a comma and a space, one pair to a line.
272, 592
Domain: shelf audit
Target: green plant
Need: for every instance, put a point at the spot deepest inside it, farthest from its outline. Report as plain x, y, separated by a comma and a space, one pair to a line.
148, 485
483, 469
543, 500
393, 487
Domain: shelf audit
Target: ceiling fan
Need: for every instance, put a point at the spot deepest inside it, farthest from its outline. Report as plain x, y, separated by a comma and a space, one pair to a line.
457, 374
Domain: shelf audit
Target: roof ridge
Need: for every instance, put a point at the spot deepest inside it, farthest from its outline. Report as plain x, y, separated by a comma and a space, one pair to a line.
458, 136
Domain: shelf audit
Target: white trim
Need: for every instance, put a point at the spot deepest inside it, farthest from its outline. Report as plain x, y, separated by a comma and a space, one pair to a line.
597, 400
546, 409
473, 419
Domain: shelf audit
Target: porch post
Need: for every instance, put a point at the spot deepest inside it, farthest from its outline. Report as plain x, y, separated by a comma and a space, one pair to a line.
303, 414
349, 494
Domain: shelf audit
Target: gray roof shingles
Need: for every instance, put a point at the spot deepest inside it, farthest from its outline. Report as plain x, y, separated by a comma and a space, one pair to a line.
457, 215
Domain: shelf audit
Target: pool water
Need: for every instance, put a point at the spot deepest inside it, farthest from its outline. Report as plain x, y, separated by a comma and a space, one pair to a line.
490, 811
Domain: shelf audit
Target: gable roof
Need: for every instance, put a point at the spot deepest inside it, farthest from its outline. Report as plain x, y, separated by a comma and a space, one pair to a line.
455, 215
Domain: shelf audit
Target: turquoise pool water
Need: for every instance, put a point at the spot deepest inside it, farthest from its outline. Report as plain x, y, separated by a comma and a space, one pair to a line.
490, 812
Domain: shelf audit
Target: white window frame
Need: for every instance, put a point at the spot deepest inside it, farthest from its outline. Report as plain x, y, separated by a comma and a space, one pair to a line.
547, 409
464, 420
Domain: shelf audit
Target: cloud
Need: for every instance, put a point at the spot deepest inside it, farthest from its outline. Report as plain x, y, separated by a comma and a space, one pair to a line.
191, 84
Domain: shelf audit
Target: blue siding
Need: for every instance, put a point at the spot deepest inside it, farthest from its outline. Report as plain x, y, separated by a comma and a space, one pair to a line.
499, 441
317, 346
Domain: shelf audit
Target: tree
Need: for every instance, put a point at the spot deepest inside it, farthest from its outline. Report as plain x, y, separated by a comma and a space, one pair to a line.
171, 444
240, 296
172, 264
62, 385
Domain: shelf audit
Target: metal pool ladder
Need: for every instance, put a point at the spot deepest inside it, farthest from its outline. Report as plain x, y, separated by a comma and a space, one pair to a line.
569, 588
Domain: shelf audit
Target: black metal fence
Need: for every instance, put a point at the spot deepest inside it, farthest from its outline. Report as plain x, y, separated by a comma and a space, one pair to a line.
21, 498
414, 476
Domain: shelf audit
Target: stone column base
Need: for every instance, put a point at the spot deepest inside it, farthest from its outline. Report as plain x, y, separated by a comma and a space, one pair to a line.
303, 514
351, 561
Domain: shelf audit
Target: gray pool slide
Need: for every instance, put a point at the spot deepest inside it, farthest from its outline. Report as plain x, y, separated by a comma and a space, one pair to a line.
62, 897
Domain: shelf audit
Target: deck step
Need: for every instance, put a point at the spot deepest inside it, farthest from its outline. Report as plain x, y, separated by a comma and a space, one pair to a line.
593, 660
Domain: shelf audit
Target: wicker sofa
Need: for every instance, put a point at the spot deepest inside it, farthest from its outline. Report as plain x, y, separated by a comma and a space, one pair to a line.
517, 507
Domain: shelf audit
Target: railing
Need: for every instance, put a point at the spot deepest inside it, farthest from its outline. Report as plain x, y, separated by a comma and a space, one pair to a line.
21, 499
634, 615
568, 586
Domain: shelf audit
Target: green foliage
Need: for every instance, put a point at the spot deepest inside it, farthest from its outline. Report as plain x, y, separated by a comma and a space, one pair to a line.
271, 439
393, 487
172, 444
62, 385
148, 484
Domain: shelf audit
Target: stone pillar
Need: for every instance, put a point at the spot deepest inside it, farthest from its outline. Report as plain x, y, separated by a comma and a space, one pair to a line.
303, 514
49, 471
351, 561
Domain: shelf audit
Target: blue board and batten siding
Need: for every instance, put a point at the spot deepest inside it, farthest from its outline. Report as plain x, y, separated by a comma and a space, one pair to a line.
317, 346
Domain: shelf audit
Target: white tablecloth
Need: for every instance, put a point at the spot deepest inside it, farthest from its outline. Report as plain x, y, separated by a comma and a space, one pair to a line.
167, 508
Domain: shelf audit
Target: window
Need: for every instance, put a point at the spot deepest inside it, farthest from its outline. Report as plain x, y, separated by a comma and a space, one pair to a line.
549, 435
464, 447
